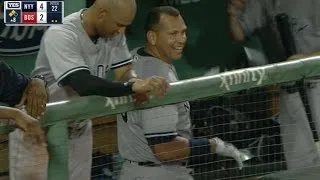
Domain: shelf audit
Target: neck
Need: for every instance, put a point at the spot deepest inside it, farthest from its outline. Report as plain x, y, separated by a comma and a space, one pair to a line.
155, 53
88, 24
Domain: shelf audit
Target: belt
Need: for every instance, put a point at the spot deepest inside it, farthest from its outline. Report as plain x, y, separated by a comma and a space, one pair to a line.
153, 164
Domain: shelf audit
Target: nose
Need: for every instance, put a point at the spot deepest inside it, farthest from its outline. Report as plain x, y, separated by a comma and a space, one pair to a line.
182, 38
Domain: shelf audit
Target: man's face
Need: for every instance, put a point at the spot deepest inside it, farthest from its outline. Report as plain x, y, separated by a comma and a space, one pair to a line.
111, 23
171, 37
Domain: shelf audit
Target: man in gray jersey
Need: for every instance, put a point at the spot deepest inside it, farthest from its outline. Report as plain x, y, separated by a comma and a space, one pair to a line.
248, 16
157, 142
74, 58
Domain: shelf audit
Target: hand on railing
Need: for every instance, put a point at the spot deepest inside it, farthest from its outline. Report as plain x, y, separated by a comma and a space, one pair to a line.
148, 88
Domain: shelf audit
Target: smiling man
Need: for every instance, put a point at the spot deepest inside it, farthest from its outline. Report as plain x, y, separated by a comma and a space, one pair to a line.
157, 142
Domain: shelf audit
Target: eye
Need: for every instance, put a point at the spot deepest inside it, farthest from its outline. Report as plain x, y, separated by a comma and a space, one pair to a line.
173, 33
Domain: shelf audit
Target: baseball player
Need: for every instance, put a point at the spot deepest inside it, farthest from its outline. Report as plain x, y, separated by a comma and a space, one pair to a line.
15, 91
157, 142
74, 58
248, 16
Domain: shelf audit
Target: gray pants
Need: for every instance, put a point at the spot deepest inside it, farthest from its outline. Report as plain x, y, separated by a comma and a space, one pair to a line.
313, 93
132, 171
298, 142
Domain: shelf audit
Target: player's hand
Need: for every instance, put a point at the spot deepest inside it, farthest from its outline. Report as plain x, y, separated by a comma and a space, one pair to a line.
229, 150
31, 127
35, 98
235, 7
152, 86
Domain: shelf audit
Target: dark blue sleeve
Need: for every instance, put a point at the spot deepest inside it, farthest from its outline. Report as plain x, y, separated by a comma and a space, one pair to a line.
12, 85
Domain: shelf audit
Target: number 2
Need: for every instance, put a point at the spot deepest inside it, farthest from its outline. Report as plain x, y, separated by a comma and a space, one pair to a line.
54, 8
41, 17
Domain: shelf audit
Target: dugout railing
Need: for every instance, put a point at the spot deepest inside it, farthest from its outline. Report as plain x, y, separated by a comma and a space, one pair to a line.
187, 90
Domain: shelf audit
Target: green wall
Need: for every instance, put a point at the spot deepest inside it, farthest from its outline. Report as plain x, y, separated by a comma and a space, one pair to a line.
209, 44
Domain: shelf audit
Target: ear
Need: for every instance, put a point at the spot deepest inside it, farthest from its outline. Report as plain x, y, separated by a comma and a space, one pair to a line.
152, 37
102, 13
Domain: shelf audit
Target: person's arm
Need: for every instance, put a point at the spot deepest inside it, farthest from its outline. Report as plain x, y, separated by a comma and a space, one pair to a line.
18, 90
159, 128
86, 84
12, 83
245, 17
28, 124
9, 113
69, 68
180, 148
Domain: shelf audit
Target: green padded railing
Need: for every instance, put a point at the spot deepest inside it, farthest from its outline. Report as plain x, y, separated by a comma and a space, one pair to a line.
58, 114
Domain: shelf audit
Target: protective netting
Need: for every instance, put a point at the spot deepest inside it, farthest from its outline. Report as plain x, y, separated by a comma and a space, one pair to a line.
269, 112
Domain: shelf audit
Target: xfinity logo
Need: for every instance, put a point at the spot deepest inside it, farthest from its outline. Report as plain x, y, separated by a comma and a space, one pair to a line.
243, 76
115, 101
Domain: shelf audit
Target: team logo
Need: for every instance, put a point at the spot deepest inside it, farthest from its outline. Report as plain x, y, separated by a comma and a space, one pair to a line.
19, 40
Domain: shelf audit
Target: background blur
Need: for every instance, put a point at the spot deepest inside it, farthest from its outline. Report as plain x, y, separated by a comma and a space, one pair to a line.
209, 43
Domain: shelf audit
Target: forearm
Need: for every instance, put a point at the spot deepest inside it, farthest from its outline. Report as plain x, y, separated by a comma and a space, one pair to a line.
177, 149
8, 112
195, 150
85, 85
236, 29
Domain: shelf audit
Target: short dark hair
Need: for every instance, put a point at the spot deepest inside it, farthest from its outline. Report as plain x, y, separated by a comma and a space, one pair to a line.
153, 16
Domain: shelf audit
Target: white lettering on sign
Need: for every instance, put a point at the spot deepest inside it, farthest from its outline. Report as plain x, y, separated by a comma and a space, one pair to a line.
115, 101
245, 76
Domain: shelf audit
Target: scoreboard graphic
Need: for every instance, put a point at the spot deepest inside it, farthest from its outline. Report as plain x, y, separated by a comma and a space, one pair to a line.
33, 13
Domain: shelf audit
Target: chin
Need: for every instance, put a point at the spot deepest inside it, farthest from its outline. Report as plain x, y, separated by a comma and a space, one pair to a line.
177, 57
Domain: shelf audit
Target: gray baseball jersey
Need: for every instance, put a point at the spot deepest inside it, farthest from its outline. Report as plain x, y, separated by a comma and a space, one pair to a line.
65, 49
154, 122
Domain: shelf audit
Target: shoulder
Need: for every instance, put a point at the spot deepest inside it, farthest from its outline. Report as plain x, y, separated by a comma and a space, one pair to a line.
146, 65
69, 29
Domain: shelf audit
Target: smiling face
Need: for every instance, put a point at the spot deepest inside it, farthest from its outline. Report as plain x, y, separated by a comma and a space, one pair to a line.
170, 37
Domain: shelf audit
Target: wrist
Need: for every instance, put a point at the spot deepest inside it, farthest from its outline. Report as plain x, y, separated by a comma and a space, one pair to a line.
16, 114
217, 145
129, 86
40, 78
